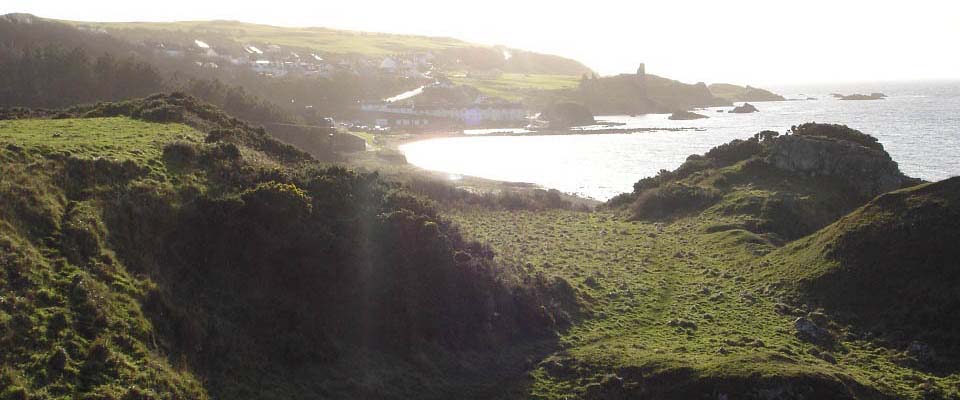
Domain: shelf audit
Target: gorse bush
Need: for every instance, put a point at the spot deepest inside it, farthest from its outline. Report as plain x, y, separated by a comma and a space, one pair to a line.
507, 199
836, 131
734, 151
273, 201
673, 198
160, 113
180, 154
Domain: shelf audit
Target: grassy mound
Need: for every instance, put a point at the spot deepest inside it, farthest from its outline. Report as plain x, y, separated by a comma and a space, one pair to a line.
781, 186
890, 268
200, 258
674, 311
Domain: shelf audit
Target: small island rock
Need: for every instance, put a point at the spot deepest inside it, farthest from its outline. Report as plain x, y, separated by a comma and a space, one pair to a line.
857, 96
685, 115
746, 108
567, 114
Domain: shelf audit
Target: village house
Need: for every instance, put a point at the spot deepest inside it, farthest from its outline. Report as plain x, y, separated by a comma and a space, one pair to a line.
472, 114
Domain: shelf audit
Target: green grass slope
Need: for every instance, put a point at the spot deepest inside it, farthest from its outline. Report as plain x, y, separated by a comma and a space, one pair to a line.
890, 268
231, 36
159, 249
317, 39
690, 294
678, 312
71, 315
514, 86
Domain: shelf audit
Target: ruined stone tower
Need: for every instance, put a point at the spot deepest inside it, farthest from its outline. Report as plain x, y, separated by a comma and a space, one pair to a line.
642, 79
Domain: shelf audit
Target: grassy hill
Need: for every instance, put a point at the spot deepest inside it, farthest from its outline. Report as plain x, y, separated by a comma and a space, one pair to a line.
231, 36
159, 249
890, 268
692, 295
325, 40
515, 86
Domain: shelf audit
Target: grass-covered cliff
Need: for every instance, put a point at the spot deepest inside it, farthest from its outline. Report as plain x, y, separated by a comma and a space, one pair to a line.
737, 93
199, 258
890, 268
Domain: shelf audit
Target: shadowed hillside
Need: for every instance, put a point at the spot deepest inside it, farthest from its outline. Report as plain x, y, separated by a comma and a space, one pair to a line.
157, 248
890, 268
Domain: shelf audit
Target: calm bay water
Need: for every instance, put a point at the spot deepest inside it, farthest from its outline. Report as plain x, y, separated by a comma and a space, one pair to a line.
918, 124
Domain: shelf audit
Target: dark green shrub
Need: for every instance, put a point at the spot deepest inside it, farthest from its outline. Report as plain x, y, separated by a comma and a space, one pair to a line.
137, 393
462, 257
15, 393
277, 202
219, 134
733, 152
58, 360
180, 154
673, 199
836, 131
161, 113
663, 176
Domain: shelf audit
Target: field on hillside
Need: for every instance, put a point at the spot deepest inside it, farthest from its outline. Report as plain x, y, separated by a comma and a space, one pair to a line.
71, 318
511, 86
675, 303
119, 138
318, 39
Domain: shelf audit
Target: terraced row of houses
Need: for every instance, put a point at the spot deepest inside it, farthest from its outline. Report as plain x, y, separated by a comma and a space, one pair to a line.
396, 115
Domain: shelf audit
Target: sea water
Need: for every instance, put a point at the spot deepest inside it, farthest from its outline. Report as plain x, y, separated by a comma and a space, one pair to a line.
918, 124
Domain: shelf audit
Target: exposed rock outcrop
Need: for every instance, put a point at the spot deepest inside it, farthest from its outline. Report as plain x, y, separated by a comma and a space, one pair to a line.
567, 114
630, 94
787, 186
857, 96
743, 93
685, 115
869, 171
746, 108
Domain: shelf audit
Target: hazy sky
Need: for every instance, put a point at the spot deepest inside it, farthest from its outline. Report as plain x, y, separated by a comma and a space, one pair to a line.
737, 41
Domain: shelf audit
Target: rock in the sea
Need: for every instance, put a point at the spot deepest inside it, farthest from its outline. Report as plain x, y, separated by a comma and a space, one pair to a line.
567, 114
746, 108
743, 93
685, 115
857, 96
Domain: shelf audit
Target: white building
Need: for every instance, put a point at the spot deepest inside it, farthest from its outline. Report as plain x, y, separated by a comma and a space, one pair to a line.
389, 64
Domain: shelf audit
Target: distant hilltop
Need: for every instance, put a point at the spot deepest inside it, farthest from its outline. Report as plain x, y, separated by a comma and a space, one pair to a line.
645, 93
743, 93
241, 39
302, 75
